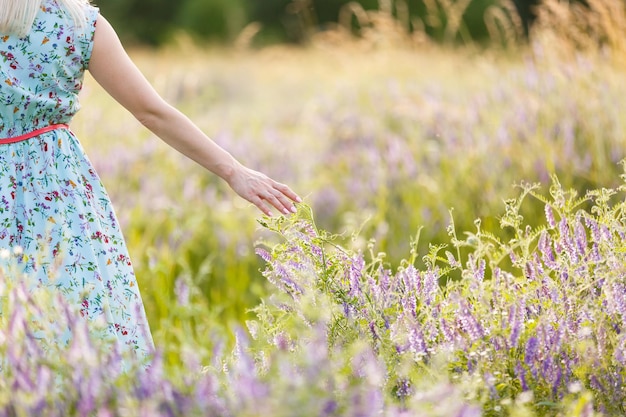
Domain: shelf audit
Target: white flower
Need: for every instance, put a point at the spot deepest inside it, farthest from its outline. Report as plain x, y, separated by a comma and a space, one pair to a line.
4, 253
575, 387
525, 397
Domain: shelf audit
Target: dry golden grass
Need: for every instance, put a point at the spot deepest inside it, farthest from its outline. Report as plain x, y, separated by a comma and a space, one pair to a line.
574, 27
392, 25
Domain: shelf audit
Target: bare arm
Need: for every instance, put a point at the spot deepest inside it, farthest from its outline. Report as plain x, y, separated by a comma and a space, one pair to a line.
113, 69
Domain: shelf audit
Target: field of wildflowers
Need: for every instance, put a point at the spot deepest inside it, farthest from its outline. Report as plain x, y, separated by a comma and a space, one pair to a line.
459, 252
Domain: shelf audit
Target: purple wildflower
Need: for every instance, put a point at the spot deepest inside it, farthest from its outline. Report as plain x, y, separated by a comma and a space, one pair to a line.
581, 238
330, 407
288, 284
550, 216
417, 345
446, 331
355, 273
264, 254
430, 286
517, 317
531, 351
403, 388
375, 291
181, 289
468, 322
547, 255
521, 375
606, 234
617, 298
372, 327
567, 241
596, 235
409, 304
411, 279
452, 260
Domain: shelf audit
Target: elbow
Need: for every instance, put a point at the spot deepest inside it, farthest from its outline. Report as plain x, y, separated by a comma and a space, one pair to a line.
153, 117
148, 120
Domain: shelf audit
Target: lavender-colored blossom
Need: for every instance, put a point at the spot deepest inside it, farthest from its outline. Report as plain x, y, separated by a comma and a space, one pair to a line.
606, 234
468, 322
521, 375
452, 260
355, 273
430, 286
517, 318
384, 280
286, 281
329, 409
417, 345
446, 330
264, 254
581, 238
617, 299
181, 289
373, 331
411, 279
403, 388
375, 291
531, 351
592, 224
567, 241
550, 216
409, 303
620, 350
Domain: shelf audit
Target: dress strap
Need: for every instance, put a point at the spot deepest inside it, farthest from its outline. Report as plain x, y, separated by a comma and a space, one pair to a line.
32, 134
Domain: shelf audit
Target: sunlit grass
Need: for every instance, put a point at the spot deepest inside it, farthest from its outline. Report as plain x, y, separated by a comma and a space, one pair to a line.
382, 141
425, 275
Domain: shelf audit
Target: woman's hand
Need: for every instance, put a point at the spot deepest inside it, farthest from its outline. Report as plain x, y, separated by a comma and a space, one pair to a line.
126, 84
263, 191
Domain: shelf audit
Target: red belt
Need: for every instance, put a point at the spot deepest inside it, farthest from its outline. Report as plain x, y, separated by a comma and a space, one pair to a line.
33, 133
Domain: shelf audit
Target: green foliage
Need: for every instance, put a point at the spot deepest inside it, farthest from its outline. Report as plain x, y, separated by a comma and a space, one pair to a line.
341, 333
157, 21
530, 336
379, 149
217, 19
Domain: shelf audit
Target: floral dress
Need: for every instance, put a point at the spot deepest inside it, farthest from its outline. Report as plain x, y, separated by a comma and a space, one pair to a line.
54, 212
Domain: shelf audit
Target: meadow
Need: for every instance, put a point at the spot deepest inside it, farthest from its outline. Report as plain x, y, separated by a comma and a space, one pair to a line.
383, 144
459, 251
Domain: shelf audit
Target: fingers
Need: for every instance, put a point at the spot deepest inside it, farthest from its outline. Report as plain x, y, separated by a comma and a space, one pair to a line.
280, 202
278, 196
285, 190
258, 201
264, 192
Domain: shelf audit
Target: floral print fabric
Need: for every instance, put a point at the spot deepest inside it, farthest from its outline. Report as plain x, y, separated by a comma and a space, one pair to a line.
54, 212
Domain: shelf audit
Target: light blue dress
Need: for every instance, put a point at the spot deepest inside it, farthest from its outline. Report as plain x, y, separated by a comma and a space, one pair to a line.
56, 219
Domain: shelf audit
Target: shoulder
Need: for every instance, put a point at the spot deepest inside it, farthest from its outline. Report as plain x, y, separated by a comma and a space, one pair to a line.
74, 13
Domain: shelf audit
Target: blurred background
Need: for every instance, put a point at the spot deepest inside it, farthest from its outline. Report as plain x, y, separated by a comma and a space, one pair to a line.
392, 118
155, 22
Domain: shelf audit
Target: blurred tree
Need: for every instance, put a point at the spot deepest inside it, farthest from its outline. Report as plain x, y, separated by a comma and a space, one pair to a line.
219, 20
154, 22
526, 11
142, 21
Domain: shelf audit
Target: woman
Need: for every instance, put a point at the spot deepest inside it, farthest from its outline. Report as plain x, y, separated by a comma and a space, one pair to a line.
54, 210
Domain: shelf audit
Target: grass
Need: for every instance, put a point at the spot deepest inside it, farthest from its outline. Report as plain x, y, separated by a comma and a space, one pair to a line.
460, 251
385, 143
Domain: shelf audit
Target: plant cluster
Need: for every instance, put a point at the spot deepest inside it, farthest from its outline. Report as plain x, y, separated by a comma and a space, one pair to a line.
386, 142
530, 326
